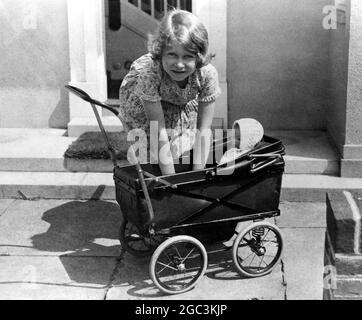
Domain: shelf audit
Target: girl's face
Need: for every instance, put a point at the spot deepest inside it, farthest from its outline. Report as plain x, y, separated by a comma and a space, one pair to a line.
178, 62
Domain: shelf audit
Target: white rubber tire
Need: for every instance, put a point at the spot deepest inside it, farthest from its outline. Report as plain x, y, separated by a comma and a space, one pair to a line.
277, 257
166, 244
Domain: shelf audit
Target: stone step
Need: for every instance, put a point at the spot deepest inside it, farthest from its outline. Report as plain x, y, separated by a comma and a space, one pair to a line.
33, 149
42, 150
348, 289
308, 152
91, 185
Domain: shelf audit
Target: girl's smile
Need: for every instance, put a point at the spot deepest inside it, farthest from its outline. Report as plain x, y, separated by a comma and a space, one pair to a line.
178, 63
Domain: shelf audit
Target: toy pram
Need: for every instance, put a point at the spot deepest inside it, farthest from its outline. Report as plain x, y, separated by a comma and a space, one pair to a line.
174, 217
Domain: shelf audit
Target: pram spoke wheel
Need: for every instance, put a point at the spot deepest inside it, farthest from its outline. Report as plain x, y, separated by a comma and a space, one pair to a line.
257, 249
133, 242
178, 264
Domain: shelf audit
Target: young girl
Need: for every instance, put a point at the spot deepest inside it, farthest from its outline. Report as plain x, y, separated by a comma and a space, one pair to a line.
174, 85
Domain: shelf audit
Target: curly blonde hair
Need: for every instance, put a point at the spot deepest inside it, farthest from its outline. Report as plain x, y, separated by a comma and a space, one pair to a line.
185, 28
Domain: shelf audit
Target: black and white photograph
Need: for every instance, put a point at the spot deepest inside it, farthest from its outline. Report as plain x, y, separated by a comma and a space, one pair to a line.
179, 155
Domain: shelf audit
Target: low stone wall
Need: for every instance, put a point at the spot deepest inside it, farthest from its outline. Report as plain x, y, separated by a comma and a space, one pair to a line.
343, 258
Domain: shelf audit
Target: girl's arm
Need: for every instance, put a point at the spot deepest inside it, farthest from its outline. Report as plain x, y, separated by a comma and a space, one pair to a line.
154, 112
203, 134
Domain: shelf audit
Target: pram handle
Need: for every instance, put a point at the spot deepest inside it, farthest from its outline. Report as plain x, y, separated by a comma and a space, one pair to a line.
83, 95
276, 155
229, 169
249, 161
265, 164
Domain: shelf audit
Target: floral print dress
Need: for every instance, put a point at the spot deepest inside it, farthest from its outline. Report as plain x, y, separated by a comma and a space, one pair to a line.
147, 81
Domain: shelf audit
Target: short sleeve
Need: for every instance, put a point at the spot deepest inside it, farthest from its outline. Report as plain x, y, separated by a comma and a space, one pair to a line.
210, 88
149, 80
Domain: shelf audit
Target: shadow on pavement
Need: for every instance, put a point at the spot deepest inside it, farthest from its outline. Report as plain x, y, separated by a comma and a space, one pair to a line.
85, 233
135, 279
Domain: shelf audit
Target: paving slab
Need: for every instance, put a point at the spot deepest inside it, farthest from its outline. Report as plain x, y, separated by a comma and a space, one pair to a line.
57, 185
4, 204
76, 239
55, 278
303, 226
302, 215
303, 261
58, 227
220, 282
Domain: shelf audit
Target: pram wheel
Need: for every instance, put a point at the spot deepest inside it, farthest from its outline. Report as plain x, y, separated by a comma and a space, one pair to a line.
178, 264
133, 242
257, 249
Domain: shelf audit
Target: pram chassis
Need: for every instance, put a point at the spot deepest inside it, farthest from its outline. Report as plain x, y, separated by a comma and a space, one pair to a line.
176, 241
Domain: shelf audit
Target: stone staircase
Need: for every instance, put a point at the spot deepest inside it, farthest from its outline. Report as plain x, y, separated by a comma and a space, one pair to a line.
32, 166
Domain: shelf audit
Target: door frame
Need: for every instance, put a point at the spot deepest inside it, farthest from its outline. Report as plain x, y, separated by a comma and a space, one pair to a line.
87, 50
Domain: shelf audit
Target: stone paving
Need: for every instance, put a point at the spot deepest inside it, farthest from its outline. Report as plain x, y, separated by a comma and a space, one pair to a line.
69, 249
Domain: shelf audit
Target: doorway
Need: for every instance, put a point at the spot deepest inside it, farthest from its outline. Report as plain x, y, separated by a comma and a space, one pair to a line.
128, 25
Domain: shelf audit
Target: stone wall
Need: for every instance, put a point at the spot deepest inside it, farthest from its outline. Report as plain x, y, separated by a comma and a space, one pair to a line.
278, 63
34, 63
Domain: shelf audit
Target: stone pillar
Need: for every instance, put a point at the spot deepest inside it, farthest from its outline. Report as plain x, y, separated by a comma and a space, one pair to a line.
213, 13
343, 267
351, 162
87, 56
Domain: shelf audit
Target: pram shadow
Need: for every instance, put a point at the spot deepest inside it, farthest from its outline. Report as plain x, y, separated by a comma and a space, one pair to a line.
81, 230
84, 235
220, 268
